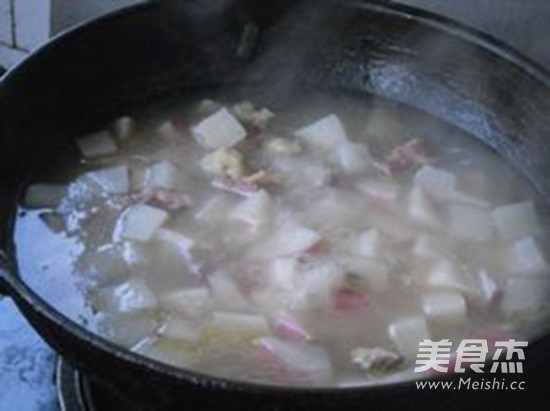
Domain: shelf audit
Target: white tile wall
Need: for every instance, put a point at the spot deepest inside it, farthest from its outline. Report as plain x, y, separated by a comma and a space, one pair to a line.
32, 19
5, 22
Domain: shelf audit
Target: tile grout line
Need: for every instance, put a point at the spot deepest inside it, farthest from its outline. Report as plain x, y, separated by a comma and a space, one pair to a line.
12, 23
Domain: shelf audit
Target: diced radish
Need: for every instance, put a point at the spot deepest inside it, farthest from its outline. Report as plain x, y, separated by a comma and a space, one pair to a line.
128, 329
353, 158
470, 223
220, 130
289, 328
44, 196
180, 329
350, 301
224, 162
372, 275
291, 239
517, 220
428, 247
241, 323
123, 128
255, 210
133, 295
178, 240
189, 302
525, 296
439, 183
168, 130
114, 180
317, 284
295, 361
225, 294
207, 107
140, 222
97, 145
282, 273
369, 243
324, 134
162, 175
490, 292
408, 155
422, 212
407, 333
525, 258
216, 209
444, 307
445, 275
442, 185
383, 194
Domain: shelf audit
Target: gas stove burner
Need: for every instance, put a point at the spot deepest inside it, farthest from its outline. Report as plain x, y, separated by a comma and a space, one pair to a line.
77, 393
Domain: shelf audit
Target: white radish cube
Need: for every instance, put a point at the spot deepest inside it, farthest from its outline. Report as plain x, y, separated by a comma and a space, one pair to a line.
241, 323
168, 130
114, 180
444, 307
132, 295
439, 183
324, 134
407, 333
369, 243
375, 275
517, 220
180, 329
225, 293
255, 210
123, 128
442, 185
445, 275
97, 145
188, 302
315, 285
128, 329
525, 296
162, 175
44, 195
428, 247
220, 130
216, 209
171, 352
469, 223
422, 212
489, 290
175, 239
300, 362
282, 273
292, 239
353, 158
139, 222
526, 258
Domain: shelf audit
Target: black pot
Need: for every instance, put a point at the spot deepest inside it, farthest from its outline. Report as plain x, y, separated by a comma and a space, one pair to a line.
108, 67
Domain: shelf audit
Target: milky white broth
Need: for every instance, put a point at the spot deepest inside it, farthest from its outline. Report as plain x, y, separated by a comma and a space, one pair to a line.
313, 245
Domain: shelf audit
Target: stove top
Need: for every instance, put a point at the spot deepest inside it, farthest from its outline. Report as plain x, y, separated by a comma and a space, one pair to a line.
33, 378
27, 365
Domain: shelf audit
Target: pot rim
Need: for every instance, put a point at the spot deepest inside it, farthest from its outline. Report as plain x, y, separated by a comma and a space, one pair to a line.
23, 293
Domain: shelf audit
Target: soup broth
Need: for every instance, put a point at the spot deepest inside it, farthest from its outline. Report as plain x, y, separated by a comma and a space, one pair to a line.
316, 244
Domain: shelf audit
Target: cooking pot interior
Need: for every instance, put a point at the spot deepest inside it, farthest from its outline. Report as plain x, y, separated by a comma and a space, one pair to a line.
130, 59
